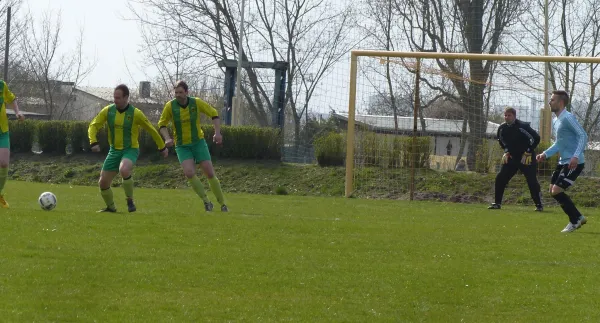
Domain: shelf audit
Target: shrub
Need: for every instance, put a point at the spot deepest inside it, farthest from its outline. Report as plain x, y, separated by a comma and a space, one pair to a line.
330, 149
22, 135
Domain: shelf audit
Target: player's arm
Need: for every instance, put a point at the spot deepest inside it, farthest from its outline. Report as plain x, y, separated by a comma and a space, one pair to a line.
501, 141
11, 101
212, 113
552, 150
533, 138
165, 118
97, 124
580, 133
143, 121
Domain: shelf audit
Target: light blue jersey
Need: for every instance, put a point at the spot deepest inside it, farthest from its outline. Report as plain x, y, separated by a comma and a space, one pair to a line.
571, 139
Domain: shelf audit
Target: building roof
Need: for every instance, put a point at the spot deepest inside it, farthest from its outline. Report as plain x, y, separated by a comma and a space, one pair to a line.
432, 125
25, 113
106, 94
30, 100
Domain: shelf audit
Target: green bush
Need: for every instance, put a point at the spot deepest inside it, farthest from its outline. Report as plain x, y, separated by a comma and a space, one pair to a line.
245, 142
22, 135
78, 137
52, 136
420, 150
330, 149
487, 156
394, 151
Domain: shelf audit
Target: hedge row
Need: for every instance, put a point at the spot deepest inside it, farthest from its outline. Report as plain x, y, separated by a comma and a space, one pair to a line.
61, 137
374, 150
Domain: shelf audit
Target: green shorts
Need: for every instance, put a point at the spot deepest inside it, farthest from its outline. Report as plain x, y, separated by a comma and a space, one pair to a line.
5, 140
113, 160
197, 151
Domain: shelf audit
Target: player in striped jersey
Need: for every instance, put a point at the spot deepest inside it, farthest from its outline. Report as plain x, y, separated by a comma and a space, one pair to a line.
7, 99
183, 113
124, 122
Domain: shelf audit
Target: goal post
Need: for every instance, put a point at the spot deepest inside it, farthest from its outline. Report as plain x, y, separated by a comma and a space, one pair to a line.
393, 150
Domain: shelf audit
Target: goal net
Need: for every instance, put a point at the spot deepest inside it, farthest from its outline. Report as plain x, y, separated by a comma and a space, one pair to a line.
421, 122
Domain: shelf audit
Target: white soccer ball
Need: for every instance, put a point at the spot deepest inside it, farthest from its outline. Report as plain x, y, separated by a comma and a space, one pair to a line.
47, 201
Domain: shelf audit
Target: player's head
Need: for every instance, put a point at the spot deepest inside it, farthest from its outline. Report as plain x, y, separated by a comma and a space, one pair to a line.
181, 90
121, 96
510, 114
559, 100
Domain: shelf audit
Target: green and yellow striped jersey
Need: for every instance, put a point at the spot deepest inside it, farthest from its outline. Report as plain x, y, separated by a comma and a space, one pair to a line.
6, 97
186, 120
123, 127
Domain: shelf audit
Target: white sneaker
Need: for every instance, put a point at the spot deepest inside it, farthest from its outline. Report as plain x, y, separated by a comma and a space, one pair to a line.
582, 220
571, 227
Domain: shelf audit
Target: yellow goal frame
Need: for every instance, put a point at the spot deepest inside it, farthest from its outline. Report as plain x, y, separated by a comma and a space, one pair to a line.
545, 127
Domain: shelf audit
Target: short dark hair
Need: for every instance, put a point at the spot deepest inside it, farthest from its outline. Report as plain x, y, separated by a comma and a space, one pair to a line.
510, 110
181, 84
562, 95
123, 89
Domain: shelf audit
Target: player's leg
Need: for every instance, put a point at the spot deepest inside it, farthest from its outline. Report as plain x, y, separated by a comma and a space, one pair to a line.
4, 162
566, 178
126, 169
186, 159
530, 173
202, 155
507, 171
108, 173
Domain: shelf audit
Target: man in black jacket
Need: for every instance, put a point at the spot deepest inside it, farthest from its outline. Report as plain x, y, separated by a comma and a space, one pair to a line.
518, 140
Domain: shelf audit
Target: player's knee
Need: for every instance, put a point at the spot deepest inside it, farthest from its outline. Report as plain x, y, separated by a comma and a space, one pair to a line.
189, 172
125, 171
103, 183
209, 173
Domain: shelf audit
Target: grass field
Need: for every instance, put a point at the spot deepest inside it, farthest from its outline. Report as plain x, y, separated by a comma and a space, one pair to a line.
290, 258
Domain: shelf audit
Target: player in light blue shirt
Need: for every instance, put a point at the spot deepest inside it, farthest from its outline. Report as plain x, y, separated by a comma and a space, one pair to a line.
571, 141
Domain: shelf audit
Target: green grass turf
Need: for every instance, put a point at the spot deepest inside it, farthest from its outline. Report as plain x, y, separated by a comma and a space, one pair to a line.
290, 258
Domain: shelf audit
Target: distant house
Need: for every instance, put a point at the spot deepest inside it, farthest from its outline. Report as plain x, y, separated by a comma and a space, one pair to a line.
10, 113
446, 132
88, 101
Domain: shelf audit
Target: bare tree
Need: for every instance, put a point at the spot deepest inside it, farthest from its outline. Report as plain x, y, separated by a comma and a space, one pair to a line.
17, 30
311, 35
574, 31
48, 68
208, 31
311, 38
475, 26
383, 30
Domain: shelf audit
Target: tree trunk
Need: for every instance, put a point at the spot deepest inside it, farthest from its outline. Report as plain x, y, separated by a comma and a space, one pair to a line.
477, 122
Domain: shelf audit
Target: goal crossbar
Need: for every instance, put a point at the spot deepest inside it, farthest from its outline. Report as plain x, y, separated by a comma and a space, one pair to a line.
474, 56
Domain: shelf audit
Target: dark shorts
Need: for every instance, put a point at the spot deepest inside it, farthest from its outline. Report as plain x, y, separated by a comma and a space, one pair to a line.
564, 177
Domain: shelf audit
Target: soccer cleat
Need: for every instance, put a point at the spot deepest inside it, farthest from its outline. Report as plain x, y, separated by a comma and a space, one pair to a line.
571, 227
208, 206
108, 209
582, 220
3, 202
224, 208
494, 206
539, 208
130, 205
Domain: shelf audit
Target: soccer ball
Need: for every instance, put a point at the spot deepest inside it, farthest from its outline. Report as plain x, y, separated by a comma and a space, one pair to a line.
47, 201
